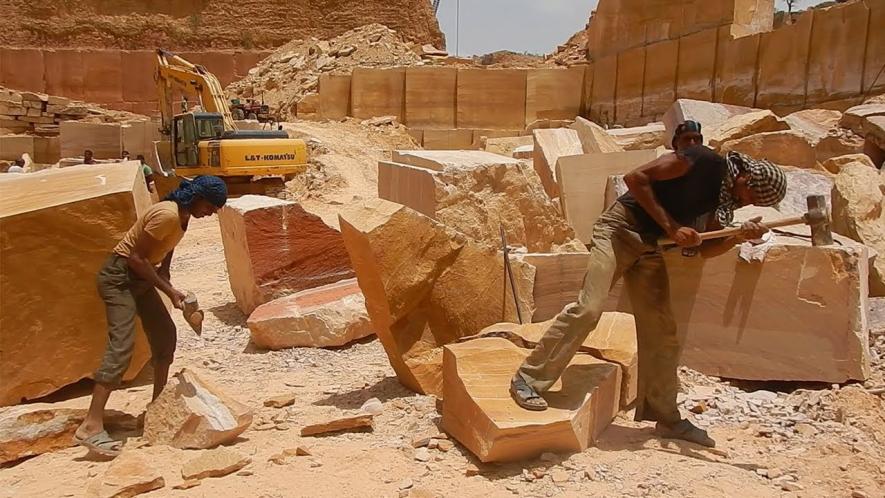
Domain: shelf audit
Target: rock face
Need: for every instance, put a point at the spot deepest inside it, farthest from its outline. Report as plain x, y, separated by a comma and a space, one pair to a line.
130, 474
25, 431
479, 412
550, 145
710, 115
477, 195
218, 462
650, 136
859, 213
744, 125
739, 319
450, 288
58, 227
594, 138
331, 315
274, 247
785, 148
191, 414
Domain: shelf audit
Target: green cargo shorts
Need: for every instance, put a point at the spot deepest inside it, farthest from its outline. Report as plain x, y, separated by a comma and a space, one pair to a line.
126, 295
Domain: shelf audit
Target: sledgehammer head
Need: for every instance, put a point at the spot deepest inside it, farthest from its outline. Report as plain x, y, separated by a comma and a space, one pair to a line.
818, 218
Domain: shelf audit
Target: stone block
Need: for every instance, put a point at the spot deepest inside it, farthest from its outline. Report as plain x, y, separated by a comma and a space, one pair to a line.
327, 316
710, 115
193, 414
549, 146
739, 320
457, 139
558, 279
103, 82
439, 297
594, 138
735, 79
23, 69
859, 213
430, 97
650, 136
630, 81
13, 146
854, 117
783, 59
875, 52
582, 180
744, 125
506, 145
553, 93
57, 317
334, 96
27, 431
873, 129
481, 137
47, 150
479, 412
477, 193
785, 148
815, 124
659, 88
696, 65
274, 247
105, 140
439, 160
377, 92
605, 83
491, 98
138, 137
835, 60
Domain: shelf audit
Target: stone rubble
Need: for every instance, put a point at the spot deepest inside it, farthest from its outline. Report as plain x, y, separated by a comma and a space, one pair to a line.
217, 462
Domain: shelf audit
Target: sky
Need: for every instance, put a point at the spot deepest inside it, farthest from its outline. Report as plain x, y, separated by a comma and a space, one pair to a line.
535, 26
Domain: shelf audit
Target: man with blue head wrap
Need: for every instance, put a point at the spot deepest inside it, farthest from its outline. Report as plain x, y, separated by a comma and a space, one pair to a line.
128, 283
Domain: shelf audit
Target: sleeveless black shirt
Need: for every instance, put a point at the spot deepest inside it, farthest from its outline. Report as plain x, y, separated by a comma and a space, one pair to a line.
686, 198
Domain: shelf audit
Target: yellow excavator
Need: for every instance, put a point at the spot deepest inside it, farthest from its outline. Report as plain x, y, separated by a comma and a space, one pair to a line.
206, 141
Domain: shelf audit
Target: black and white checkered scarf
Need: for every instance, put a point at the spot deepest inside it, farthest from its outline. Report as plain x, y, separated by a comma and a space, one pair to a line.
768, 182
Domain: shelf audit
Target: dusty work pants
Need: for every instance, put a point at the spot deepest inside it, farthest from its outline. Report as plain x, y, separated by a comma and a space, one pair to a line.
616, 250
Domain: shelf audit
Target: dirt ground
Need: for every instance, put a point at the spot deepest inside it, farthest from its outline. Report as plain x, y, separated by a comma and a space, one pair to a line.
799, 441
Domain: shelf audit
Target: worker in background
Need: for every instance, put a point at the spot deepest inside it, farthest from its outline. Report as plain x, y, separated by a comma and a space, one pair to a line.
128, 283
17, 167
664, 197
88, 157
125, 155
148, 172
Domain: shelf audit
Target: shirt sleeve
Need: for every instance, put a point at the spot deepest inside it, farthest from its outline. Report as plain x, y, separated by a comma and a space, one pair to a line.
161, 224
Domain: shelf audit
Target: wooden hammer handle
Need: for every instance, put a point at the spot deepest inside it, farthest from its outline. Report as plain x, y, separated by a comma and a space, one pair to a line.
731, 232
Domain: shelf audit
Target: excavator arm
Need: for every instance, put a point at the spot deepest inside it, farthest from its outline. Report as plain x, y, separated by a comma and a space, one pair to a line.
175, 73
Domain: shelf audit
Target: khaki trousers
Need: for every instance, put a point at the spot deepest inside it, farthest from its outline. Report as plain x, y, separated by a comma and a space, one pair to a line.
617, 249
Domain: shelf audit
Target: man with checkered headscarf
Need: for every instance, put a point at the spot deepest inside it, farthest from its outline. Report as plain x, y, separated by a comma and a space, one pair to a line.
676, 195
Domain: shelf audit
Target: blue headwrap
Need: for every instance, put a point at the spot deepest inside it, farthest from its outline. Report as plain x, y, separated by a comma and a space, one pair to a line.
210, 188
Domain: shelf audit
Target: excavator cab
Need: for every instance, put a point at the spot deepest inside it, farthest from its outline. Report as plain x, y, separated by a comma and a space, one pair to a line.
187, 132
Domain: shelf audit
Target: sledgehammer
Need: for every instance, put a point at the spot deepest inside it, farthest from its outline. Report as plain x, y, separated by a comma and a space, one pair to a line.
817, 218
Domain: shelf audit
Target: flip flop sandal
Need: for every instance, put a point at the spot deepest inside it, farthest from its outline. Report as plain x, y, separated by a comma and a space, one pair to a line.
101, 443
685, 431
525, 396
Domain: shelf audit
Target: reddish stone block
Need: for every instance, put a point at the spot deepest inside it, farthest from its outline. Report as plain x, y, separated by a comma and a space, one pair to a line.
64, 74
104, 76
22, 69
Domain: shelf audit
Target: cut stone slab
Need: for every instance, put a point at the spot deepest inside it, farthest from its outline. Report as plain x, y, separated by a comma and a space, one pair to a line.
744, 125
274, 247
350, 423
854, 117
58, 228
785, 148
327, 316
477, 199
450, 288
192, 414
217, 462
650, 136
558, 278
479, 412
507, 145
859, 213
130, 474
815, 124
613, 339
549, 146
440, 160
710, 115
738, 319
594, 138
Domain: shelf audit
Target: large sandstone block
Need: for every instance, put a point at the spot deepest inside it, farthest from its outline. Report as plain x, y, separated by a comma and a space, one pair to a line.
875, 51
193, 414
605, 83
58, 227
782, 66
835, 58
455, 139
859, 212
26, 431
334, 95
854, 117
630, 81
744, 125
785, 148
659, 90
105, 140
430, 97
377, 92
327, 316
800, 315
491, 98
13, 146
479, 412
450, 288
710, 115
477, 196
815, 124
274, 247
735, 80
506, 146
650, 136
696, 65
558, 279
582, 180
553, 93
549, 146
594, 138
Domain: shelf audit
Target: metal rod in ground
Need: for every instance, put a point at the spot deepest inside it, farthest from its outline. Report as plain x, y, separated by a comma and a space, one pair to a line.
508, 273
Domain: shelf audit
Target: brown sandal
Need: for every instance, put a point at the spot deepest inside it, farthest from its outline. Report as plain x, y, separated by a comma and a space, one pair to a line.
525, 396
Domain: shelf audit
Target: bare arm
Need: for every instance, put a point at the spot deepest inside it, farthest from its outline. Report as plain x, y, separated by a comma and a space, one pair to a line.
639, 183
139, 263
163, 272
